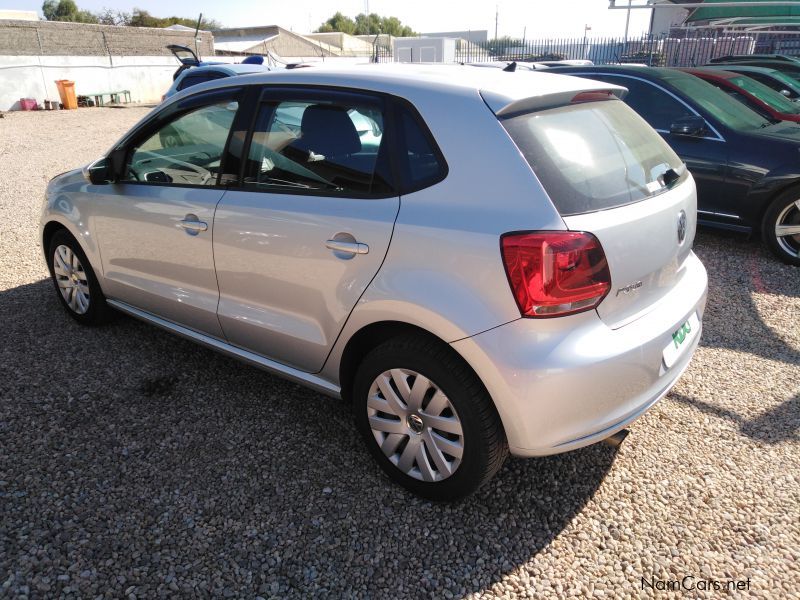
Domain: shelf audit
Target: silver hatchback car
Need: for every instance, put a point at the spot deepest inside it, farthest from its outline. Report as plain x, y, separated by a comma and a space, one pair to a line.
480, 262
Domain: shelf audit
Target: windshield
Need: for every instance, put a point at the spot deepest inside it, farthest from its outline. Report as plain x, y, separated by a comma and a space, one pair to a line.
773, 99
722, 107
791, 82
594, 155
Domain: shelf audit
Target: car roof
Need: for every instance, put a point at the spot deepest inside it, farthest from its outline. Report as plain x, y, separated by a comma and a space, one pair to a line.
746, 68
227, 68
645, 72
504, 92
717, 72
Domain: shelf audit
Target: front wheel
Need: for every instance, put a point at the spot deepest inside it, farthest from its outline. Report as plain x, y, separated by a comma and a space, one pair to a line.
427, 419
75, 281
781, 227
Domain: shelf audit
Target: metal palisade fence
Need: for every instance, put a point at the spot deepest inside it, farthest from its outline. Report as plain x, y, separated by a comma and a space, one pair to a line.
676, 50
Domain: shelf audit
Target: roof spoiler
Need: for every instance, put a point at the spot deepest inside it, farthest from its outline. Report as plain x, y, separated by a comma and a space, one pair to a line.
502, 105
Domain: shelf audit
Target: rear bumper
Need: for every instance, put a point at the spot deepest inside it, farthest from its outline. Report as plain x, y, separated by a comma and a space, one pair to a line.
561, 384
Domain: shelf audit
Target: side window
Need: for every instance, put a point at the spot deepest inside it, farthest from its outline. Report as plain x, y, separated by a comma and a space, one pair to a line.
187, 150
654, 105
315, 145
747, 102
191, 80
420, 165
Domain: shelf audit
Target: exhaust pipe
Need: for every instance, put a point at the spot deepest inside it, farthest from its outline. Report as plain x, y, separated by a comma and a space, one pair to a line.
615, 441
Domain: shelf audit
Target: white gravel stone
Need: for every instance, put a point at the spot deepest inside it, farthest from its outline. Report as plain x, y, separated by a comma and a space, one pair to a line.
135, 464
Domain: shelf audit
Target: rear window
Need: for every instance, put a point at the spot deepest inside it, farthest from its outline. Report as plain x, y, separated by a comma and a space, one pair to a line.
197, 78
593, 156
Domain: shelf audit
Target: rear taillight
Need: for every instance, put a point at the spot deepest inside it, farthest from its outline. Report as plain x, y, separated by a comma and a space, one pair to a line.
555, 273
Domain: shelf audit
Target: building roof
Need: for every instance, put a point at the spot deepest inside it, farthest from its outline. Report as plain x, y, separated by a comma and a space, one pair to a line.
768, 15
19, 15
267, 38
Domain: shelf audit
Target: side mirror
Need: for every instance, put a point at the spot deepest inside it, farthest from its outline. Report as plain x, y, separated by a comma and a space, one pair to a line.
98, 172
107, 169
688, 126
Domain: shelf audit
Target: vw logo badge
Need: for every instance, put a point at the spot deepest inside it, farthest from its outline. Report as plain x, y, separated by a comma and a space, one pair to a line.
681, 227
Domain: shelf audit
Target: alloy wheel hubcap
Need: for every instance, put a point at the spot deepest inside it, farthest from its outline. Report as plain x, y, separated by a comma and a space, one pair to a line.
71, 279
787, 229
415, 425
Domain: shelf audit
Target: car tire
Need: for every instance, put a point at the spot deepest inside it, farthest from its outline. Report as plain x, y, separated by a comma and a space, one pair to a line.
783, 212
411, 425
74, 280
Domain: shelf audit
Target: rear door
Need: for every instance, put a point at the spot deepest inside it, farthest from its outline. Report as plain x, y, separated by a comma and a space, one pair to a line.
611, 175
302, 236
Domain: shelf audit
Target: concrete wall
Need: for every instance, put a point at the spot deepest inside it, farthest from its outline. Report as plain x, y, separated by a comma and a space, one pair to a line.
32, 38
98, 58
147, 77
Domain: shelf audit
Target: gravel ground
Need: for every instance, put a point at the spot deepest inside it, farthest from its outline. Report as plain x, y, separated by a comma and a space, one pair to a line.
136, 464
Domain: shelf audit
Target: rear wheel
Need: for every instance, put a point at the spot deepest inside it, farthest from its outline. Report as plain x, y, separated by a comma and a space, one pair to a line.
427, 419
75, 282
781, 227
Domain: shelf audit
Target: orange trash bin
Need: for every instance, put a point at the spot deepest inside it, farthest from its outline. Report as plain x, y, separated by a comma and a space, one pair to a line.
66, 89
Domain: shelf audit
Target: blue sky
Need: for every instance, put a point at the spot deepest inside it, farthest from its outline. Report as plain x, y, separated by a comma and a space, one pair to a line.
537, 17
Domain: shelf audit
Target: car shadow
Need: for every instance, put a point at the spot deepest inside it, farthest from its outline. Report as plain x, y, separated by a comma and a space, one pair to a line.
732, 319
774, 426
124, 441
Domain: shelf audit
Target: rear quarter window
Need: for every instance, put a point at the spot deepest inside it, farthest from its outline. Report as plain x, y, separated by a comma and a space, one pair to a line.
593, 156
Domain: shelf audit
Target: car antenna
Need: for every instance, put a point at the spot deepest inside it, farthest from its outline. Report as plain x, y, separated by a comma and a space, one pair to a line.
196, 30
511, 67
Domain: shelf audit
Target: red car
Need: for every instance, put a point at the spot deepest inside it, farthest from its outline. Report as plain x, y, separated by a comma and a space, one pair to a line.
762, 99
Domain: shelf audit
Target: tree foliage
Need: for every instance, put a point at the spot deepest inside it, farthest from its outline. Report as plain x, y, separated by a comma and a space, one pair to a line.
363, 24
503, 43
67, 10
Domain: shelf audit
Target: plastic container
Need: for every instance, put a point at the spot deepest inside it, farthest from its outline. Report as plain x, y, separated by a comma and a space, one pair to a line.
66, 89
27, 104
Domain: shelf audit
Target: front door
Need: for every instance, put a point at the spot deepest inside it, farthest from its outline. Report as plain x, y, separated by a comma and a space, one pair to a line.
154, 225
298, 242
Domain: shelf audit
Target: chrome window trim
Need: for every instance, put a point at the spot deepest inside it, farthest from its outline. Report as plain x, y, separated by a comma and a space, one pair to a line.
719, 214
719, 137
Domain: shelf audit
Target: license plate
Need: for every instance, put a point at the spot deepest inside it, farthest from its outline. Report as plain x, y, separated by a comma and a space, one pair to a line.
681, 340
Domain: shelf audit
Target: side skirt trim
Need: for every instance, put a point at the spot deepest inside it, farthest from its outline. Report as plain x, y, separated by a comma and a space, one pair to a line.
306, 379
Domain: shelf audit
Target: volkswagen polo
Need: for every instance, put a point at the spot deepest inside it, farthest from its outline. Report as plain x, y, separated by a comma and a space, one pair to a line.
500, 263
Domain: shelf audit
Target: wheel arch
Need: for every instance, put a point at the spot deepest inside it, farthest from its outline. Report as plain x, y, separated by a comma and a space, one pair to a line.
761, 198
49, 230
370, 336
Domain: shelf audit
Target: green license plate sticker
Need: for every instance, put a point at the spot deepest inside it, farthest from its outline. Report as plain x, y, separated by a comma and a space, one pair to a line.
681, 340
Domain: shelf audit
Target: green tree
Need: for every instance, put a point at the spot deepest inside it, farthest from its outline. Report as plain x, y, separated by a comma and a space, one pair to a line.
66, 10
502, 44
338, 22
363, 24
142, 18
112, 16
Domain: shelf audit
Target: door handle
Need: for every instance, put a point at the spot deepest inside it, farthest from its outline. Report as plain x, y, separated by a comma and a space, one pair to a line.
193, 225
347, 247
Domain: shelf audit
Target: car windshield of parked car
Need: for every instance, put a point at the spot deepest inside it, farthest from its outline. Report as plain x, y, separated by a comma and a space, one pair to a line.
722, 107
594, 155
773, 99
